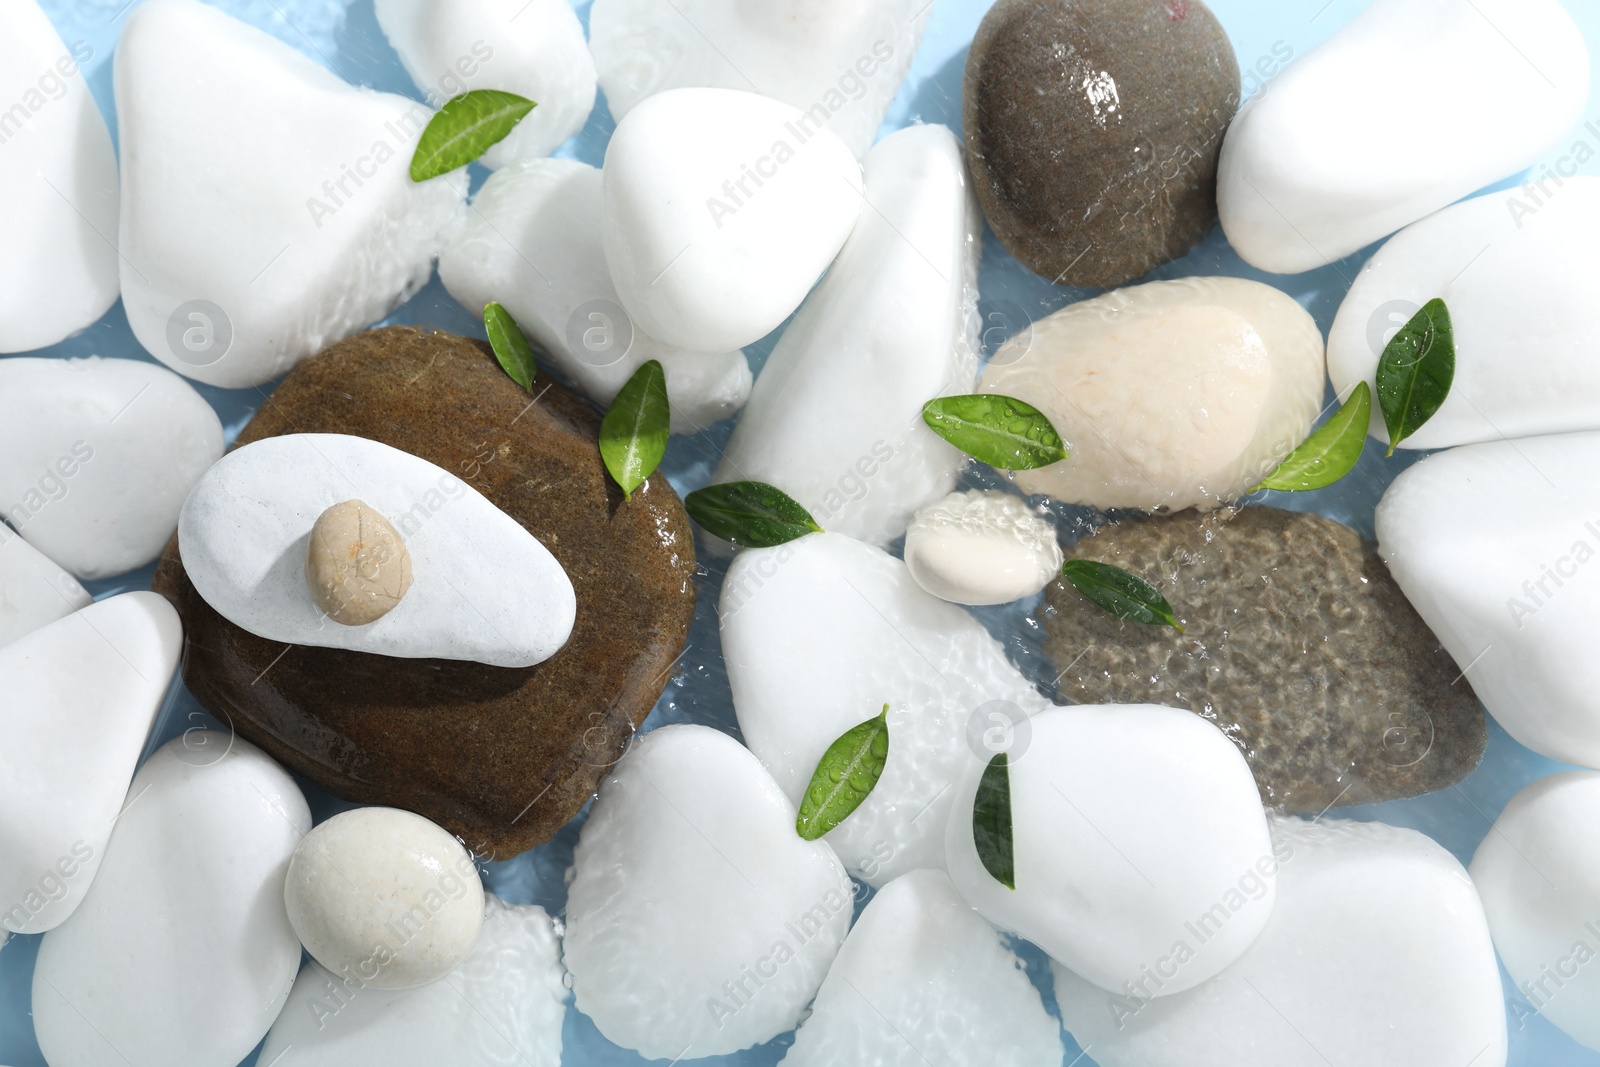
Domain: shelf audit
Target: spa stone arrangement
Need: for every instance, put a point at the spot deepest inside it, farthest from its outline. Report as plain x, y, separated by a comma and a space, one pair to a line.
715, 620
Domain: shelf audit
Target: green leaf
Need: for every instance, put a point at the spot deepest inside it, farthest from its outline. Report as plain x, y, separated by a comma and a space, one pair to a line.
1331, 452
510, 345
1001, 431
1415, 372
633, 435
464, 129
844, 777
751, 514
991, 821
1127, 596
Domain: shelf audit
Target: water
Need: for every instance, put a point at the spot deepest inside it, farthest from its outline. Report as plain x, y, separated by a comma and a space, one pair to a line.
1265, 35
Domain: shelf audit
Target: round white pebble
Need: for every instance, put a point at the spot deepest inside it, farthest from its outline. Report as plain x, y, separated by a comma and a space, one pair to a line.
698, 922
1140, 846
982, 548
1538, 873
384, 896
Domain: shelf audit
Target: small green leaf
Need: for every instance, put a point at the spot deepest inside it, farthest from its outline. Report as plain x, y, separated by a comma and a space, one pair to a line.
991, 821
633, 435
510, 345
1416, 371
750, 514
1001, 431
1331, 452
464, 129
847, 772
1127, 596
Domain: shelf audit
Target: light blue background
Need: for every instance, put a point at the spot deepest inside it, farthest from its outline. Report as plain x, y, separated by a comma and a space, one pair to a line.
346, 38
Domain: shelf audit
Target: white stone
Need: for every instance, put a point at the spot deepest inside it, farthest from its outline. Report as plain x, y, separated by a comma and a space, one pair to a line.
1538, 872
534, 48
982, 548
896, 319
1325, 160
818, 635
58, 180
386, 895
1520, 285
503, 1005
80, 696
721, 210
483, 588
33, 591
96, 457
1133, 825
532, 243
1376, 952
688, 880
1171, 394
922, 970
181, 954
843, 60
1495, 546
267, 207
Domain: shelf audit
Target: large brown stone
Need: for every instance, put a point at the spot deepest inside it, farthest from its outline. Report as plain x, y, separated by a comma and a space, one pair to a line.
1297, 644
1093, 129
501, 757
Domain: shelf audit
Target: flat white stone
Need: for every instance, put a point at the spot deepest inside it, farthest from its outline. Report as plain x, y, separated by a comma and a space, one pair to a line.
1520, 285
896, 319
721, 210
386, 895
842, 60
982, 548
80, 696
503, 1005
1325, 160
532, 243
818, 635
1172, 394
1137, 829
534, 48
698, 922
96, 457
267, 207
58, 180
922, 970
185, 914
1495, 546
33, 591
1538, 872
1376, 952
483, 588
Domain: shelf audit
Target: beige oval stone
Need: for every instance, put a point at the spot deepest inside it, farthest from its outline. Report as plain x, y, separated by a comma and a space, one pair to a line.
357, 566
1169, 395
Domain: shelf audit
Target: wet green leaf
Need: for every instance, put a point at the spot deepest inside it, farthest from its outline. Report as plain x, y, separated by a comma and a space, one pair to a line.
750, 514
844, 777
1125, 595
991, 821
1416, 371
510, 345
633, 435
1001, 431
464, 129
1331, 452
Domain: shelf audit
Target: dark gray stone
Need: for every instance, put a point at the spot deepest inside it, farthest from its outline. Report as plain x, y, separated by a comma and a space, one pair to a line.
1296, 643
1093, 129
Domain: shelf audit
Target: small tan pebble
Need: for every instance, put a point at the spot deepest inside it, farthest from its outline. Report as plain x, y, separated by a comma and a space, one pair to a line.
357, 567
